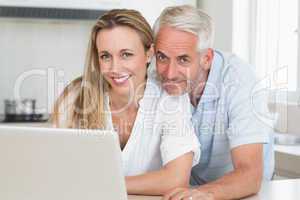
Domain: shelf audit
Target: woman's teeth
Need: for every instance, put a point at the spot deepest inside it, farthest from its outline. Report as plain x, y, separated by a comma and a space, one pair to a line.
121, 79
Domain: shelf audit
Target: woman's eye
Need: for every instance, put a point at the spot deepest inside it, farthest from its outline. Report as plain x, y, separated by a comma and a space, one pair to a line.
104, 57
126, 55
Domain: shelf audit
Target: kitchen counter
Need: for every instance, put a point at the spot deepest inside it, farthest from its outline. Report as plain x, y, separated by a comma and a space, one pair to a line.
274, 190
287, 160
279, 190
288, 149
27, 124
133, 197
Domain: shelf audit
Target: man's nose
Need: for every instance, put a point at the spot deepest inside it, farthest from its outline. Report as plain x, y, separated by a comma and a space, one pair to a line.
171, 72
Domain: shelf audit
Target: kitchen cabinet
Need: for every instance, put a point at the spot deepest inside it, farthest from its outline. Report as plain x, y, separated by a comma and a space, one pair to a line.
68, 4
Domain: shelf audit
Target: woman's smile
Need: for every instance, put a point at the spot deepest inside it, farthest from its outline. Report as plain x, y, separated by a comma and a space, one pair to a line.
120, 79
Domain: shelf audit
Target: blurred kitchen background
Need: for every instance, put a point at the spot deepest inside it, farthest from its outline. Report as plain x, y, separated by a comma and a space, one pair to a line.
43, 45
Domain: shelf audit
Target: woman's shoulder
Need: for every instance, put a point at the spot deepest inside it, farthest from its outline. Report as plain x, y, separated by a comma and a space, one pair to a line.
65, 102
174, 104
71, 91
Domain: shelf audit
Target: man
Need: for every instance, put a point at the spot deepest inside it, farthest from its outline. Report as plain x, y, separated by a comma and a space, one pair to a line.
237, 152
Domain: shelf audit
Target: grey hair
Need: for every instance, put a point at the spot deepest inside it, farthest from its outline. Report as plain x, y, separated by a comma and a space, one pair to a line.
190, 19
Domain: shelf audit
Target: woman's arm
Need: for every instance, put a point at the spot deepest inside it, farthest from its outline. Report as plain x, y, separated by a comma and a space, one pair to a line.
174, 174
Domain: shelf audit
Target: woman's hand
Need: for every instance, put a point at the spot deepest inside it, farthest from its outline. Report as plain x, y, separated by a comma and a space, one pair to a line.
174, 174
187, 194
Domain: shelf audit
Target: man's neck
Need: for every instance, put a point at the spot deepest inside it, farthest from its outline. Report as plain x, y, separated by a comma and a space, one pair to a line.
197, 90
195, 95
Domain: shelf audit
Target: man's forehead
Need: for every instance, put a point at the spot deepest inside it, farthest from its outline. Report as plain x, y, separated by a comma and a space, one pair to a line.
169, 38
167, 32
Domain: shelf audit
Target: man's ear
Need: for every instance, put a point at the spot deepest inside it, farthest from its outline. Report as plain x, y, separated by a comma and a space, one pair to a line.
150, 53
207, 58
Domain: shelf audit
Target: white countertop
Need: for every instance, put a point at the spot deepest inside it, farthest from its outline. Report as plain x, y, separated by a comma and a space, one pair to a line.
288, 149
27, 124
274, 190
279, 190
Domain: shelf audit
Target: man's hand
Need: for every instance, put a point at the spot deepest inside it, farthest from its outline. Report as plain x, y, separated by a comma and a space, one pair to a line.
187, 194
243, 181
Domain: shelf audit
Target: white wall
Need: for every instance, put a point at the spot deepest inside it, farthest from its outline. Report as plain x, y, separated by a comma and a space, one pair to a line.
288, 109
55, 49
152, 9
221, 12
40, 45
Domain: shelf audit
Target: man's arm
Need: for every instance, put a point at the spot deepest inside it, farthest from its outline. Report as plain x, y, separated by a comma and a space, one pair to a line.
246, 178
244, 181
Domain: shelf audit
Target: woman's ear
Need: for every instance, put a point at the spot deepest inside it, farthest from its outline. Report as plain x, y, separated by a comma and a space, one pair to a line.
150, 53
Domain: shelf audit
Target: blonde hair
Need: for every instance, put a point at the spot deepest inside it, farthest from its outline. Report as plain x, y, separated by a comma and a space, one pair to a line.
87, 111
190, 19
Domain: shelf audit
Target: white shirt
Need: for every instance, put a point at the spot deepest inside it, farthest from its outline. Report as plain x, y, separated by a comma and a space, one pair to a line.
162, 130
161, 133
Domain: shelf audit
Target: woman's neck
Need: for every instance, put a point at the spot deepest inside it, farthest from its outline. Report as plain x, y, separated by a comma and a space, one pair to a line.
126, 101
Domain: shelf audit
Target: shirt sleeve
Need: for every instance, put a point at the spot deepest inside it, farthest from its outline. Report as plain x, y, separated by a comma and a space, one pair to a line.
178, 135
248, 114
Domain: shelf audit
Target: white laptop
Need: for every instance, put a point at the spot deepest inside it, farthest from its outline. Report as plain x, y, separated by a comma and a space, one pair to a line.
60, 164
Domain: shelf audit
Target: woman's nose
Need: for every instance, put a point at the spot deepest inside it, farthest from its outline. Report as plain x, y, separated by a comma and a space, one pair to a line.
115, 64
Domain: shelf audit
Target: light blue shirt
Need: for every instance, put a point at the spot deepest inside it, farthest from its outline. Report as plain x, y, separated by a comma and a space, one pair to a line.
231, 112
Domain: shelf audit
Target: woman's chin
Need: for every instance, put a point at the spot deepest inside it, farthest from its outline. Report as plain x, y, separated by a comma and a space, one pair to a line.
122, 91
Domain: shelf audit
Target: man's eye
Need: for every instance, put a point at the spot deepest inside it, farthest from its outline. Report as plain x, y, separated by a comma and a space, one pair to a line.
160, 57
183, 60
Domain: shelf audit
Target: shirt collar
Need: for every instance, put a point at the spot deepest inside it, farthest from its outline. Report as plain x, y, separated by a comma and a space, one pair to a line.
213, 85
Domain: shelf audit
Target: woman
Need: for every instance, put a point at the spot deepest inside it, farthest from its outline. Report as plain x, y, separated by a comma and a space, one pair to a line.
119, 91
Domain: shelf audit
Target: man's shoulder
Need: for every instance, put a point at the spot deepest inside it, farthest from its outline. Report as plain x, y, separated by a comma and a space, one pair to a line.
236, 70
